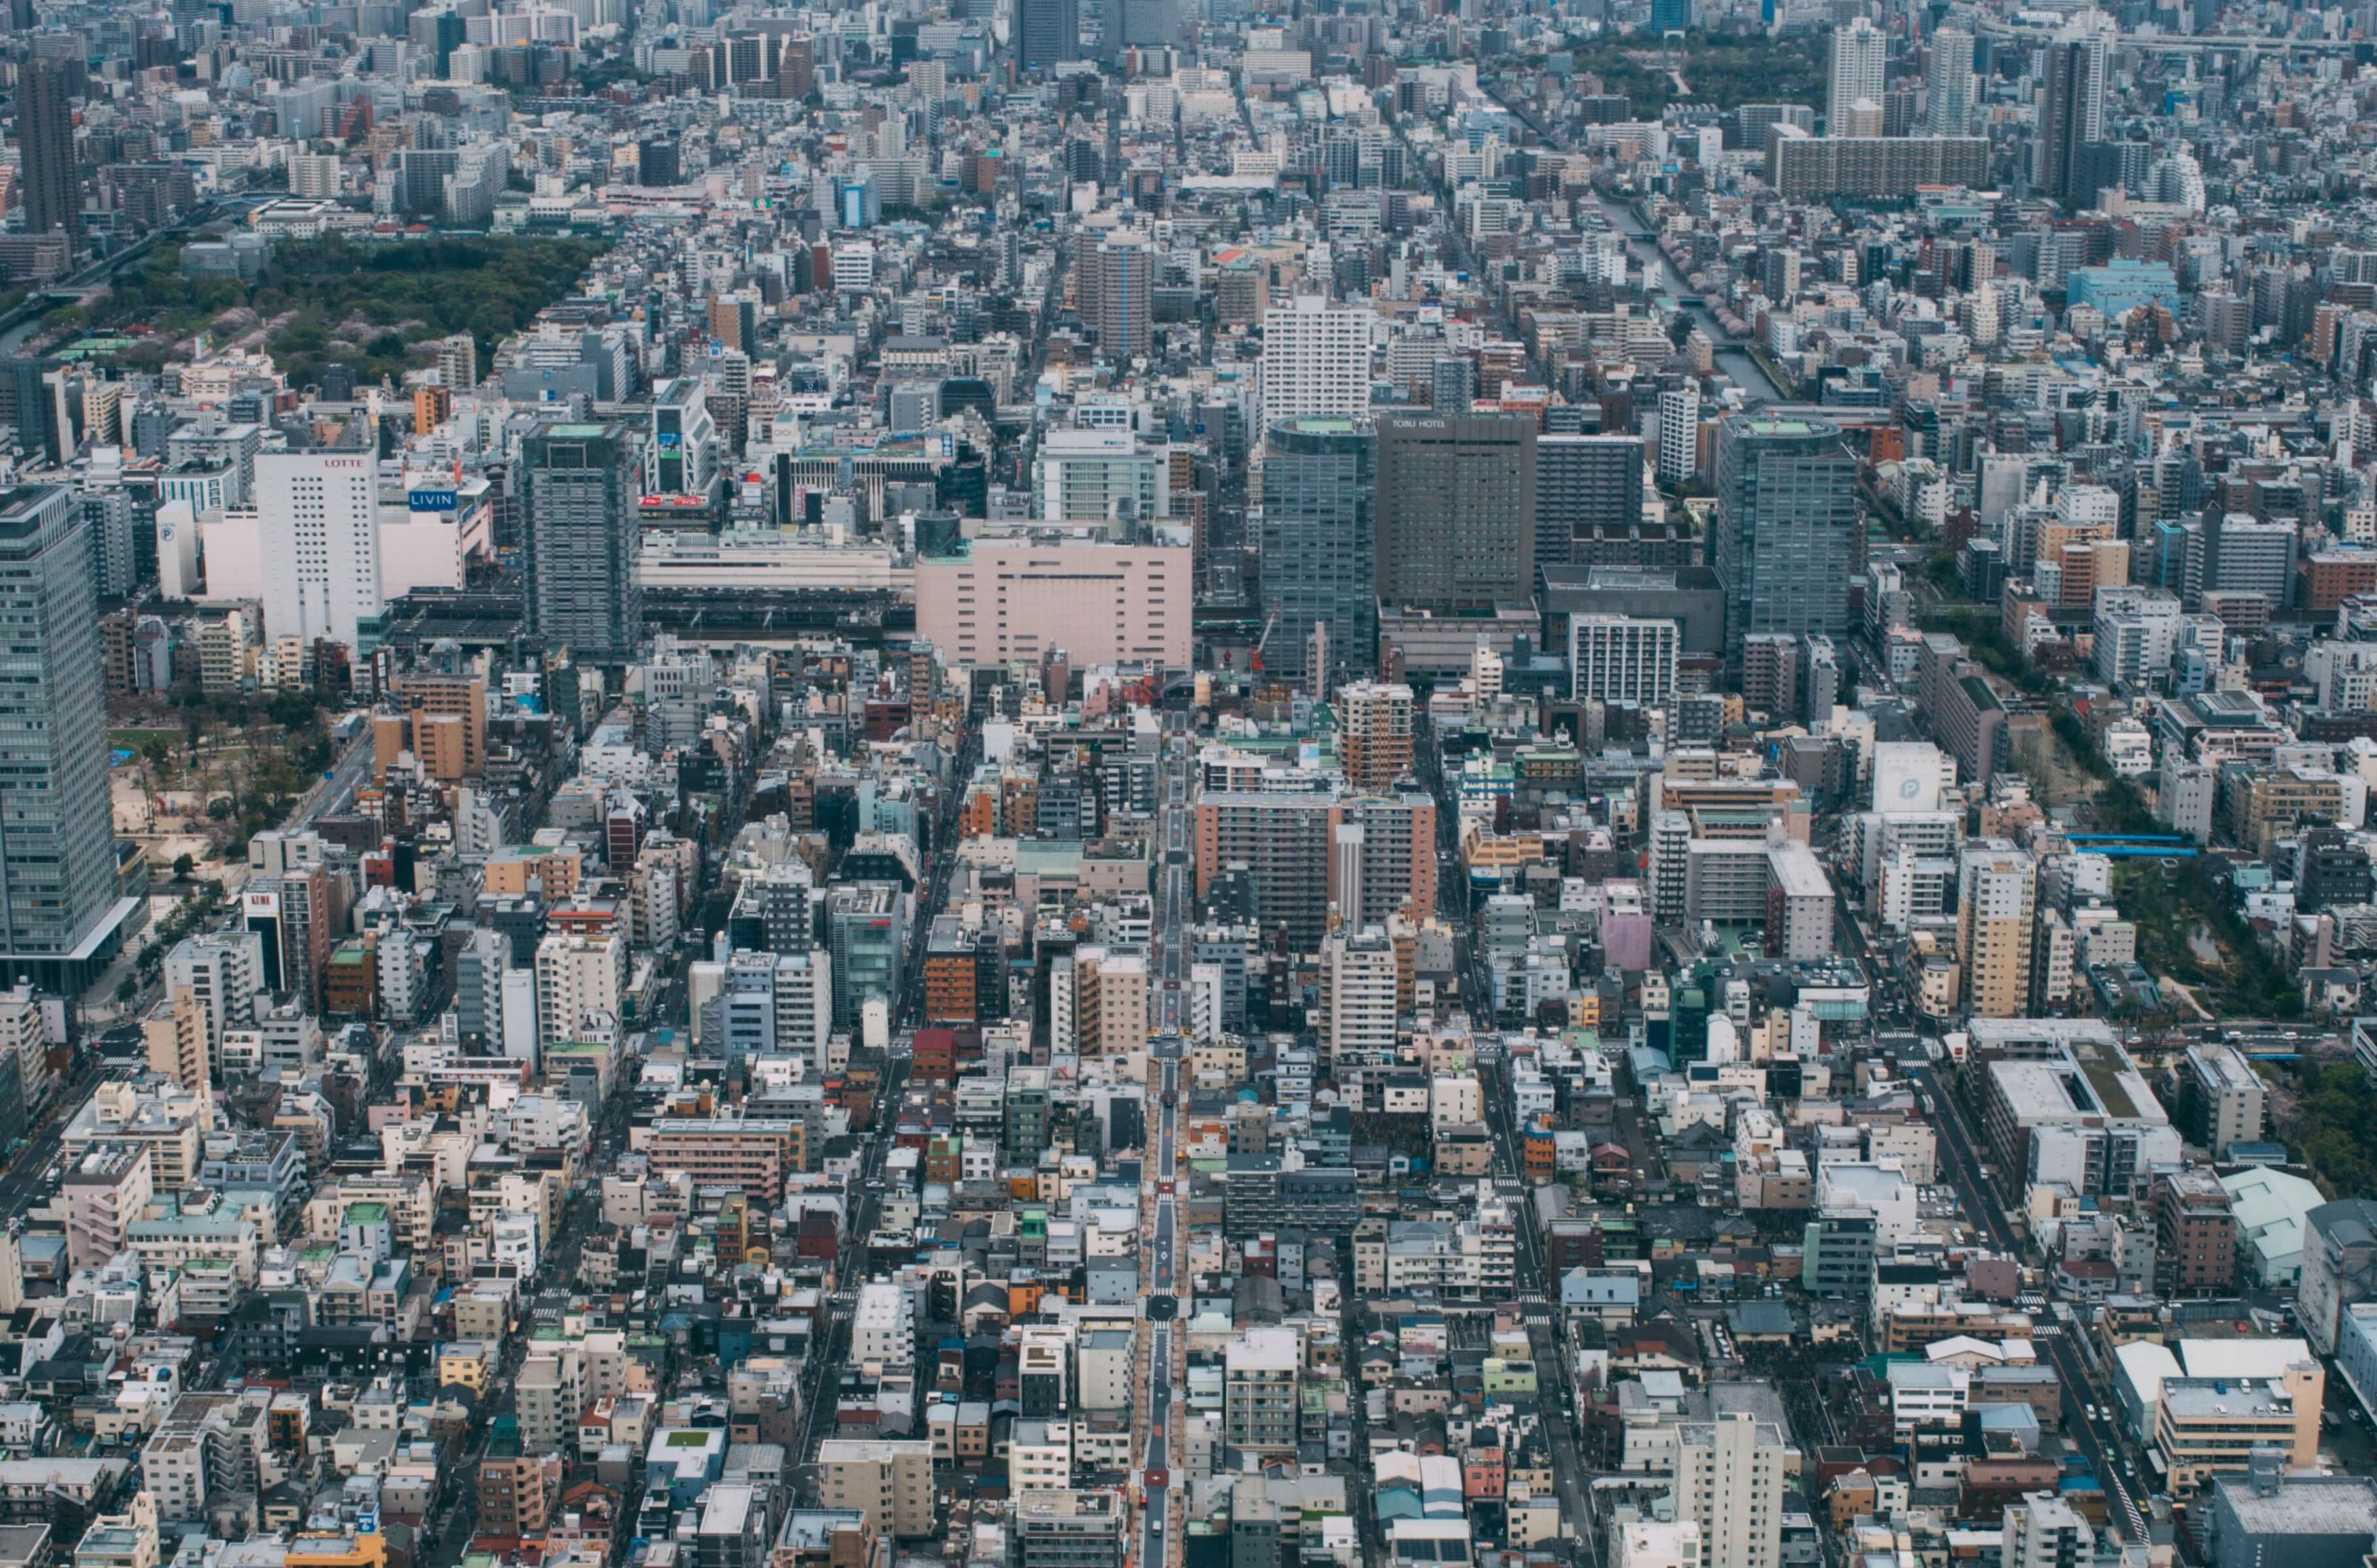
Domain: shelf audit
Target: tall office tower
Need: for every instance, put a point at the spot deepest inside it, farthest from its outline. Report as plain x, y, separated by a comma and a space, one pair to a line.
1316, 359
46, 131
2071, 114
1452, 384
1047, 33
317, 518
1147, 23
1858, 51
1374, 734
578, 504
1126, 280
1318, 489
1585, 484
1785, 526
1949, 111
1679, 434
57, 854
1996, 898
1357, 995
1729, 1481
1456, 509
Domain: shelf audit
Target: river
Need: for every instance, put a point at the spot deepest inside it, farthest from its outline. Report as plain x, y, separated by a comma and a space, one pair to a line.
1731, 357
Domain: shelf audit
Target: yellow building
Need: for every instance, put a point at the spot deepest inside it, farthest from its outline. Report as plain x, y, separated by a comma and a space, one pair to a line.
342, 1550
464, 1363
1997, 900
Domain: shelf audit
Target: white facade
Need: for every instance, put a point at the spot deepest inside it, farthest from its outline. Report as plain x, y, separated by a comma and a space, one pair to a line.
883, 1326
224, 972
1358, 995
1623, 658
1679, 425
1655, 1543
576, 977
319, 516
1316, 359
1857, 77
804, 995
1729, 1482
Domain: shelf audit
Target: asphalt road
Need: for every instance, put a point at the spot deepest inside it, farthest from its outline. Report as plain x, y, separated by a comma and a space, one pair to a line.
23, 1184
1161, 1178
332, 793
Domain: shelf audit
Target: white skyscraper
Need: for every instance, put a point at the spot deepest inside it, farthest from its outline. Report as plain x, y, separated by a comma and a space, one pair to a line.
1856, 72
1316, 359
1680, 427
317, 517
1949, 109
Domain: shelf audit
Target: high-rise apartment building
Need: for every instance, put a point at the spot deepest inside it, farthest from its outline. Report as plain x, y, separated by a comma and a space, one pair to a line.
1729, 1481
1316, 359
45, 132
578, 500
1258, 1391
578, 977
1679, 434
1456, 509
1358, 995
2070, 114
1125, 289
57, 854
318, 516
1586, 488
1288, 839
223, 971
1948, 109
1858, 48
1374, 734
1997, 900
1786, 525
1319, 488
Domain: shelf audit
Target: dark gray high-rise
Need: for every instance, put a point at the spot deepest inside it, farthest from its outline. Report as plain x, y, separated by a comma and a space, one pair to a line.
58, 850
2070, 118
1456, 509
45, 132
1585, 487
1047, 33
1319, 484
578, 505
1786, 518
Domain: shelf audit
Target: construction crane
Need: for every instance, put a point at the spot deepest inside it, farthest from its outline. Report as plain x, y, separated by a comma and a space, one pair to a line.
1254, 660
